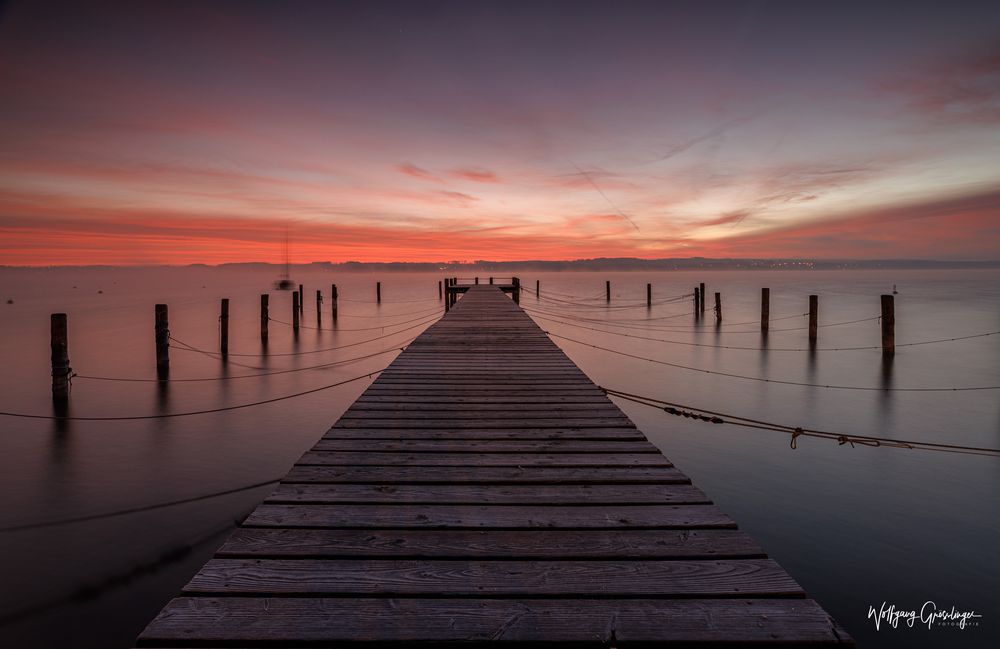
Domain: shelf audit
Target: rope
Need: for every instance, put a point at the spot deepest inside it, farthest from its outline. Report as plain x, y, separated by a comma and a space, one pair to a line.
769, 349
312, 351
90, 591
344, 330
702, 414
763, 380
134, 510
344, 361
196, 412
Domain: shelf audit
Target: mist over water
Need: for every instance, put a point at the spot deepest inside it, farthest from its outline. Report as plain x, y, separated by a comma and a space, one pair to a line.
855, 526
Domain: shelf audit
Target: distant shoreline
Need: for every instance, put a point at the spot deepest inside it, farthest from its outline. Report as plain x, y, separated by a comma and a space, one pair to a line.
599, 264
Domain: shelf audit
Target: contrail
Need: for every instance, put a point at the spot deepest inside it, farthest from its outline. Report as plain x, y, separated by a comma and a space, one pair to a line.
601, 192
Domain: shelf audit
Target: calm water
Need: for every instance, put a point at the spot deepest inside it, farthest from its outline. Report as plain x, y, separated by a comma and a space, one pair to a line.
856, 527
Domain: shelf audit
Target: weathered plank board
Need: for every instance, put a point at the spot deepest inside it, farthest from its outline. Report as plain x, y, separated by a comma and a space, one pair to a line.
464, 578
398, 516
480, 622
508, 494
620, 544
483, 489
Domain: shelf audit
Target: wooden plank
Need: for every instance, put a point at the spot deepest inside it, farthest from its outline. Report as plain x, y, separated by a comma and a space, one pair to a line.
456, 423
485, 475
400, 516
622, 544
480, 434
489, 446
349, 458
469, 578
590, 494
480, 622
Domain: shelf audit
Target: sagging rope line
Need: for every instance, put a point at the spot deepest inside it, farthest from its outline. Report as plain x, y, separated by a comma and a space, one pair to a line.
344, 361
197, 412
771, 349
135, 510
714, 330
90, 591
615, 307
575, 316
666, 300
702, 414
763, 380
430, 299
425, 315
311, 351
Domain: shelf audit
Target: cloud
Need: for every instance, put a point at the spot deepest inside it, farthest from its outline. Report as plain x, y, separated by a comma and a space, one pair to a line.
412, 170
963, 89
476, 175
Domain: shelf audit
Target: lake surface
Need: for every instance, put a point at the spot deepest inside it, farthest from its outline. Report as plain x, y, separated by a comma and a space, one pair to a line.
855, 526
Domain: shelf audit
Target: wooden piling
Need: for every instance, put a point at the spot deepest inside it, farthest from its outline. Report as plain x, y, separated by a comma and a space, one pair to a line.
477, 280
440, 290
538, 293
378, 292
264, 316
703, 297
491, 280
517, 290
718, 307
813, 318
224, 327
162, 330
697, 300
649, 296
319, 308
60, 357
607, 290
765, 309
295, 312
888, 325
333, 300
302, 299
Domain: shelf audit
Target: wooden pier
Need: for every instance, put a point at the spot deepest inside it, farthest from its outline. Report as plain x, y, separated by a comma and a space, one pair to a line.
484, 490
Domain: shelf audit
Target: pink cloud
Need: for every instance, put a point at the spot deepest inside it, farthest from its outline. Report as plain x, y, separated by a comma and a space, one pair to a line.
476, 175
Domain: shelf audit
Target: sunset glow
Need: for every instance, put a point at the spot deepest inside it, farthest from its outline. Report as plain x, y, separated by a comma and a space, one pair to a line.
182, 133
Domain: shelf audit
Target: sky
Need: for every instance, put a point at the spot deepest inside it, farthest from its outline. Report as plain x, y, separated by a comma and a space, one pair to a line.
201, 132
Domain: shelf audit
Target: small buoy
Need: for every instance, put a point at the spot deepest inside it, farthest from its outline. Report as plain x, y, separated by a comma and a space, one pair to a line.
10, 301
99, 291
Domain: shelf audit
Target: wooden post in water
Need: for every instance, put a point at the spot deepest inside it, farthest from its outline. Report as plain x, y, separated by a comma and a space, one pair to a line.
649, 296
697, 301
491, 280
295, 312
319, 308
60, 358
440, 292
607, 290
538, 293
888, 325
378, 292
477, 280
703, 297
517, 289
813, 318
302, 299
333, 300
162, 330
224, 327
765, 309
264, 317
718, 307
